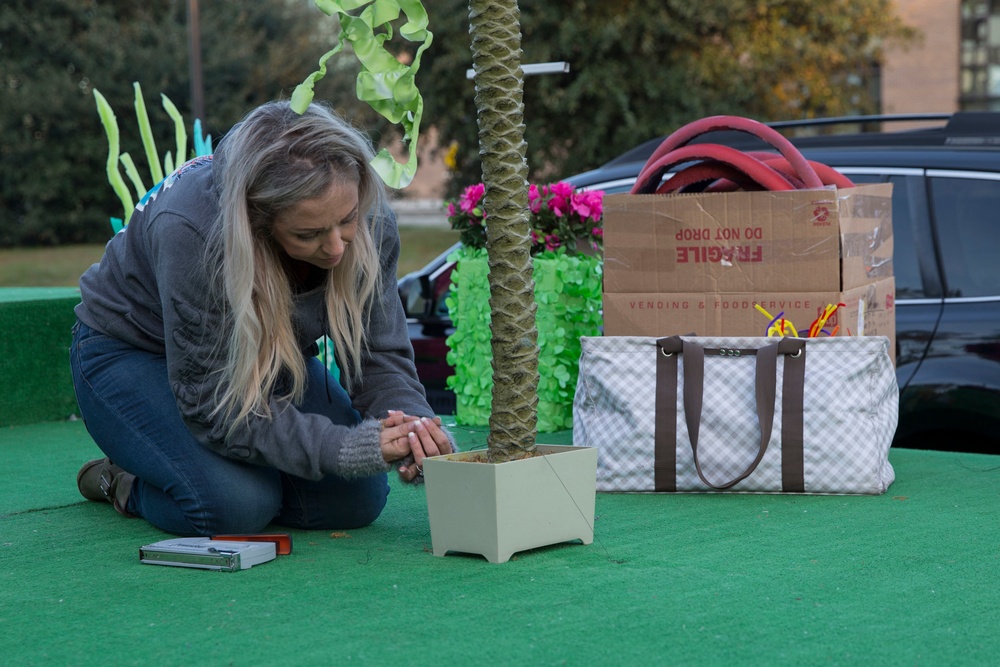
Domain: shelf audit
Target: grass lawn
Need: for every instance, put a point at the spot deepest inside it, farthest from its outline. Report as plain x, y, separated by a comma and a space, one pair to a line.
61, 266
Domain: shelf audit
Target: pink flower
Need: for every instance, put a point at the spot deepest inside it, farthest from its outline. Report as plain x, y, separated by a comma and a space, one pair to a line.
558, 217
580, 205
558, 206
561, 193
595, 201
471, 197
534, 199
588, 205
561, 189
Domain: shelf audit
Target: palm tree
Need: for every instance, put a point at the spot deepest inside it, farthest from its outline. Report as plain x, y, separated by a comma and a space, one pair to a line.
496, 58
388, 85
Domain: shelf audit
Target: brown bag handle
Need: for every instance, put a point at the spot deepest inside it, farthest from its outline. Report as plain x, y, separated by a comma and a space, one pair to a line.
765, 391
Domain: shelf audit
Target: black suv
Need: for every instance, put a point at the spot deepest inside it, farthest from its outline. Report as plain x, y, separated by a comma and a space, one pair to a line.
946, 228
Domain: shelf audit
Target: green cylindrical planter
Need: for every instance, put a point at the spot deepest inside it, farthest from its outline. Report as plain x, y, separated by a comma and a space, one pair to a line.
568, 295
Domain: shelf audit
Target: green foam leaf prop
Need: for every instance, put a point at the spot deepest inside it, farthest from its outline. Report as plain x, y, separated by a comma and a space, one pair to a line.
148, 143
110, 123
569, 299
133, 175
180, 132
386, 84
202, 146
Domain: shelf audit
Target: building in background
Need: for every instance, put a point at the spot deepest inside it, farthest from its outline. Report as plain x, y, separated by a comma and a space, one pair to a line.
924, 77
956, 64
979, 66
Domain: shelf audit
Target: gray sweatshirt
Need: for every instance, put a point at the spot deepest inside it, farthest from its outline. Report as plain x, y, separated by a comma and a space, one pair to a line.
152, 290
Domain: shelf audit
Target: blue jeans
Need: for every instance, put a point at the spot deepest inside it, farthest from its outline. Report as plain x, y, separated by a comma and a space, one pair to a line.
183, 487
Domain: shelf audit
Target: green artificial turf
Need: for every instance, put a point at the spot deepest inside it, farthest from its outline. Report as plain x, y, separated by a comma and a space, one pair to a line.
908, 578
35, 335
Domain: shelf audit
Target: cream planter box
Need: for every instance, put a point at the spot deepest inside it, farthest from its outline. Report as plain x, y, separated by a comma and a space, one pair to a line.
499, 509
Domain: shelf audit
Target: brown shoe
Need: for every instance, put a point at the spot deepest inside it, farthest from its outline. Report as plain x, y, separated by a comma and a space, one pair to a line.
101, 480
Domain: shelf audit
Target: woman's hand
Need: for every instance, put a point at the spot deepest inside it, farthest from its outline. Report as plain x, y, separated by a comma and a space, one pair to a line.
405, 435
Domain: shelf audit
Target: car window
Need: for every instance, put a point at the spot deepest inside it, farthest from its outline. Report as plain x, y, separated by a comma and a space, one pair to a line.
620, 186
965, 216
909, 284
905, 265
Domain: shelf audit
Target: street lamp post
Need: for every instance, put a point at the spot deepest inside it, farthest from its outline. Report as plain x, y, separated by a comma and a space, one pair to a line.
194, 59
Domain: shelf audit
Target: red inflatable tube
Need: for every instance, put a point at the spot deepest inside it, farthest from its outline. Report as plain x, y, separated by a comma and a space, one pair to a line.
828, 175
780, 165
702, 176
757, 171
726, 185
714, 176
684, 135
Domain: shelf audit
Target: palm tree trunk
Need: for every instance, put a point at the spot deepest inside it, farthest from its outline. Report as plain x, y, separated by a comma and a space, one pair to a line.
496, 57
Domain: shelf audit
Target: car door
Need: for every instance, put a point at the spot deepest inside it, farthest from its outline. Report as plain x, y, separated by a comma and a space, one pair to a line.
957, 386
919, 295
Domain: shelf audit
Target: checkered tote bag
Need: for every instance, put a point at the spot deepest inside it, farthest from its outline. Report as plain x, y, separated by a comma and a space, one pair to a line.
752, 415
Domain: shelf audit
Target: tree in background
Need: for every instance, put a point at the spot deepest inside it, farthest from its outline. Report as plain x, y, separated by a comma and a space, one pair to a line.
641, 68
53, 186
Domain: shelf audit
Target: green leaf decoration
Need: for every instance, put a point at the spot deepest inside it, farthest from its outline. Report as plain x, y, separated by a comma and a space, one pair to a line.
180, 133
148, 143
110, 123
133, 175
202, 144
568, 295
386, 84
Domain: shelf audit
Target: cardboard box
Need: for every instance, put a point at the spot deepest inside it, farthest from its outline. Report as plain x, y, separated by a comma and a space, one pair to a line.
744, 242
869, 310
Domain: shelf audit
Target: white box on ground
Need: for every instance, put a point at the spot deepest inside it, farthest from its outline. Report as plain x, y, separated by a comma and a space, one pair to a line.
207, 554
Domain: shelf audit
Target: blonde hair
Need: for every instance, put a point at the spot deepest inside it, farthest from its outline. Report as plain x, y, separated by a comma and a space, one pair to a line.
271, 161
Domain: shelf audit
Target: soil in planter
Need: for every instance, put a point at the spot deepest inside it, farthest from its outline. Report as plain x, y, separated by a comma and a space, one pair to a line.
483, 457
